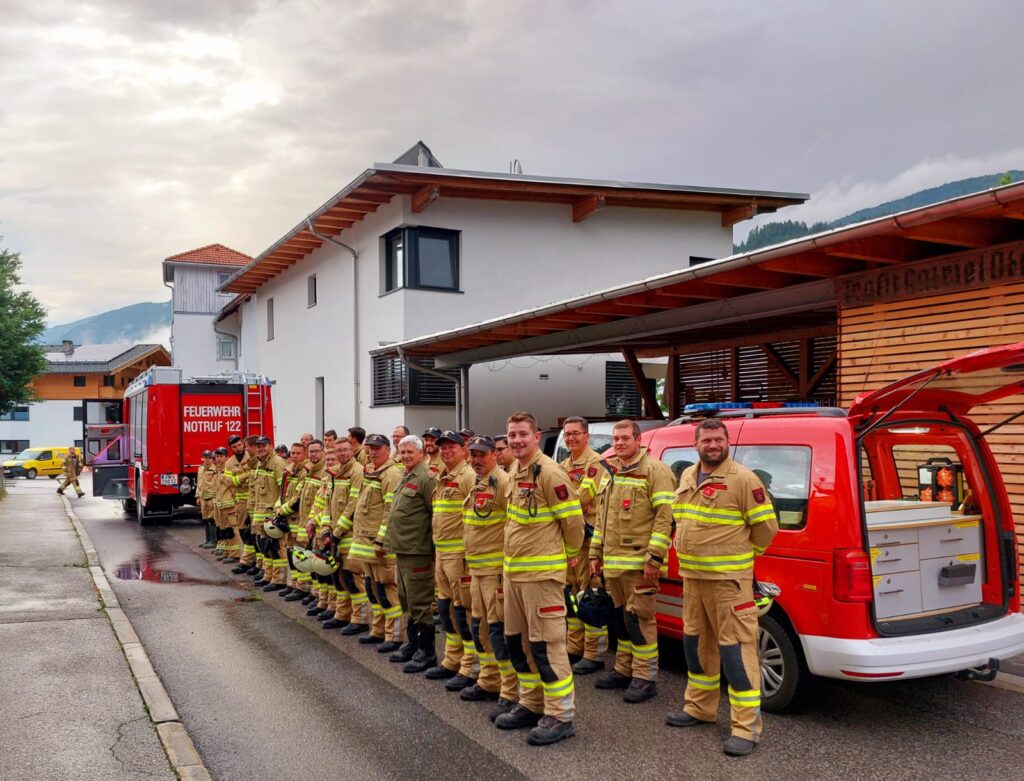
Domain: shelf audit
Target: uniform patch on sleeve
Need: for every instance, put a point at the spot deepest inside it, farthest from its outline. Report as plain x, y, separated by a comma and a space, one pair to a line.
592, 471
758, 495
562, 492
413, 486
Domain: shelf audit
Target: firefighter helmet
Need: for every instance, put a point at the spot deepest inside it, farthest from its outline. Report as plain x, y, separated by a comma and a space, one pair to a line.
324, 563
594, 607
302, 559
276, 528
764, 596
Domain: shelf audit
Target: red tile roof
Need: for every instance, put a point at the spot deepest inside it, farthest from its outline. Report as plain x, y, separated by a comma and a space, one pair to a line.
214, 254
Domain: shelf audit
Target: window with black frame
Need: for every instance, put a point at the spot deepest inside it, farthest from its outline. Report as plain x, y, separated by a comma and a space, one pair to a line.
420, 258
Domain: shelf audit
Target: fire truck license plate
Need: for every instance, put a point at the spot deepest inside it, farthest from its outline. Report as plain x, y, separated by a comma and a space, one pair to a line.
168, 479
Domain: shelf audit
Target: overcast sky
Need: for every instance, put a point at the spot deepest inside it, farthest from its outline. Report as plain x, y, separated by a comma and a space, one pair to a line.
130, 131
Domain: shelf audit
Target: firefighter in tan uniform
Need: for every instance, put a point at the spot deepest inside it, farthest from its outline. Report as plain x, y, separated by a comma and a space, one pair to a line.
483, 518
224, 508
288, 508
318, 529
236, 470
454, 604
269, 474
430, 452
369, 515
351, 606
724, 520
585, 643
311, 481
630, 546
356, 437
72, 469
204, 493
506, 459
543, 532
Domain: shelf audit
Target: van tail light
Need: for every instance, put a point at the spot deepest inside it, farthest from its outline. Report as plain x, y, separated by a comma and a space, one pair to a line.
851, 575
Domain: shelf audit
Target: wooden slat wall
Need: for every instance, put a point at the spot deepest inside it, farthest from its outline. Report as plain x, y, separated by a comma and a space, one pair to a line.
883, 342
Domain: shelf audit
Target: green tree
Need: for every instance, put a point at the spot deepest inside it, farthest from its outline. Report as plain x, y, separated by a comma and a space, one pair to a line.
21, 324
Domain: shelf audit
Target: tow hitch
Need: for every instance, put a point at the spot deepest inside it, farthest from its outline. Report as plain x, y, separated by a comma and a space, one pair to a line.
986, 673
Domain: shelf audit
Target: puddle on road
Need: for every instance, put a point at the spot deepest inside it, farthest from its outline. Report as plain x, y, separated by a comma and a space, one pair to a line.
148, 569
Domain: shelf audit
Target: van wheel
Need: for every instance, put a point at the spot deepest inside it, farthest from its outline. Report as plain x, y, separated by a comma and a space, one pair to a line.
31, 473
53, 477
784, 674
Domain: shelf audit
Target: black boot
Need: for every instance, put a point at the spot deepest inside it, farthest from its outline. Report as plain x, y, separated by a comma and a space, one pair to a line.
425, 656
211, 536
408, 649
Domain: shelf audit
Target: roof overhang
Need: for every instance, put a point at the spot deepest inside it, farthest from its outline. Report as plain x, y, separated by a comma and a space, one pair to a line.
423, 184
786, 287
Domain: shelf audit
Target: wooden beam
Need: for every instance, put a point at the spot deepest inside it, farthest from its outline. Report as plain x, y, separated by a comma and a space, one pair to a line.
734, 374
577, 318
806, 353
731, 216
688, 348
754, 278
586, 207
964, 232
813, 264
822, 372
617, 310
651, 406
361, 196
882, 249
672, 385
347, 213
776, 360
421, 199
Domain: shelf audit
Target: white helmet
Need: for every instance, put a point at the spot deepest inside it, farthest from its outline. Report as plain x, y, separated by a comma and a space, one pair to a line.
274, 530
302, 559
324, 563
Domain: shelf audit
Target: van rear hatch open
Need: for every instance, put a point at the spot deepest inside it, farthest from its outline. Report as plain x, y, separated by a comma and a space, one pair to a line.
937, 521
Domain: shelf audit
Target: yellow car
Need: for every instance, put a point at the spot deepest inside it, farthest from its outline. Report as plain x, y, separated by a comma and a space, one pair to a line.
37, 461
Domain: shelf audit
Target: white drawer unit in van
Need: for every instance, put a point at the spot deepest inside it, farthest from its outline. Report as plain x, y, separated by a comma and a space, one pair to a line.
923, 558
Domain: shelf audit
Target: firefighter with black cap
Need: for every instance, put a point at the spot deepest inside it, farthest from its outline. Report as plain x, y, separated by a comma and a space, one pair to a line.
408, 536
725, 519
430, 452
224, 508
454, 602
268, 479
543, 535
236, 473
630, 546
483, 518
379, 568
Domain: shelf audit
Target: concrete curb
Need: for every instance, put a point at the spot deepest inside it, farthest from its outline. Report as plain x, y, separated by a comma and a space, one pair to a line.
181, 752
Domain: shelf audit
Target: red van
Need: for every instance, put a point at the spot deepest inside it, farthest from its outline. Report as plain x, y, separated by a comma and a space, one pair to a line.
896, 556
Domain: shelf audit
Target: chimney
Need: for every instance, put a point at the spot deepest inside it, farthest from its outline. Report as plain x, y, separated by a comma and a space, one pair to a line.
67, 347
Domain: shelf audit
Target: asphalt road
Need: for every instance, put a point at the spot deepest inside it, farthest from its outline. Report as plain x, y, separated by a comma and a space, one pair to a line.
265, 693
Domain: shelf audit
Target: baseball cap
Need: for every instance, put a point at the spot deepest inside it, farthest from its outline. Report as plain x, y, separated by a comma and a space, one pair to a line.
221, 451
433, 431
451, 436
262, 440
484, 444
207, 454
467, 433
233, 439
377, 440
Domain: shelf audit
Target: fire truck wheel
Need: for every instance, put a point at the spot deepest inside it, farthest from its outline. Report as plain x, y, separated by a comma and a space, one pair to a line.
784, 674
141, 515
31, 474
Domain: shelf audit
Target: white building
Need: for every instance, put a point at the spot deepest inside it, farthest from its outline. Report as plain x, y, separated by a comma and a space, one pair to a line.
195, 276
427, 249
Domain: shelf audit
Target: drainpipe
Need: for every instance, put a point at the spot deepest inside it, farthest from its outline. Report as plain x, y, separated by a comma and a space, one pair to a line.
171, 337
355, 313
461, 410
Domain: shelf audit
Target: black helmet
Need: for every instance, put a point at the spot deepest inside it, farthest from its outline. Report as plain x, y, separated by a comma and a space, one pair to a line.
594, 606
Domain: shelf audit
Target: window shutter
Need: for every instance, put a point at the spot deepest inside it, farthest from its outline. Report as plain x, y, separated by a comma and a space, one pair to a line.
388, 381
621, 396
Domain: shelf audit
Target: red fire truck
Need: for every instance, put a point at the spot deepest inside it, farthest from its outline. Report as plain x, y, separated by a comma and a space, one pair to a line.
150, 462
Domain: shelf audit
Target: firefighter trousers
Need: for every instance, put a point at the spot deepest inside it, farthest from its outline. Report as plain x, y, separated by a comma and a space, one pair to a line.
241, 519
582, 639
351, 603
496, 671
720, 632
535, 632
416, 587
382, 591
454, 605
225, 519
69, 480
634, 598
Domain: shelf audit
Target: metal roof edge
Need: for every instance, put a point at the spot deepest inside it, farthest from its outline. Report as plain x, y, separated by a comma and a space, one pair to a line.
606, 183
901, 221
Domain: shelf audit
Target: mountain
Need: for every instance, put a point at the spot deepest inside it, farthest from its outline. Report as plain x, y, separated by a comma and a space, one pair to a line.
146, 322
775, 232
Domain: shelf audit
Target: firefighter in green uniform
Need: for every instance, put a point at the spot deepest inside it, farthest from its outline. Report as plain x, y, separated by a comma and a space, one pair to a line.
408, 535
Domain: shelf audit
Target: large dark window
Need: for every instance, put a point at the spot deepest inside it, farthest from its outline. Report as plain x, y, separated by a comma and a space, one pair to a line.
78, 380
621, 396
420, 258
77, 413
17, 413
394, 383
